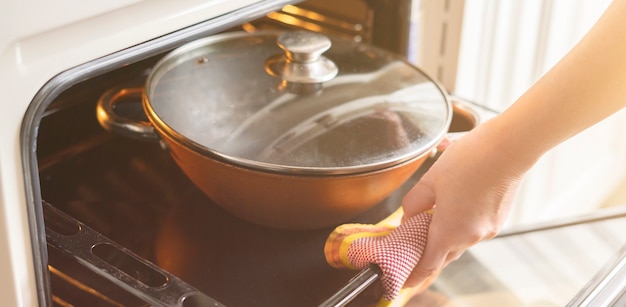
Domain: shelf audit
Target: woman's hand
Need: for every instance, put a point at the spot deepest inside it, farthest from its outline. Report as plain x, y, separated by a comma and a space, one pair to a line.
470, 187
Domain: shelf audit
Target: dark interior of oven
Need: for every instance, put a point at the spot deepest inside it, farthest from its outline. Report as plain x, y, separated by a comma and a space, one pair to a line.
156, 225
133, 193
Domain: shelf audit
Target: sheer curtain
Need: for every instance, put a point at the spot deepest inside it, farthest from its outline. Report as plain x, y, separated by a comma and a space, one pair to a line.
504, 47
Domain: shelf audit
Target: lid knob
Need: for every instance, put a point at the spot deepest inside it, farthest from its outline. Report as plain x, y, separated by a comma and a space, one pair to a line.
302, 61
303, 46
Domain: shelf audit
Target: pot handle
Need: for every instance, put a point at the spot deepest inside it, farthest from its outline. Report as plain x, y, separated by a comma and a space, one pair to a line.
113, 122
467, 116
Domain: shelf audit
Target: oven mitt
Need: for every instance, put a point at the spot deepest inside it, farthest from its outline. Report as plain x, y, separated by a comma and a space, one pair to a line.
396, 249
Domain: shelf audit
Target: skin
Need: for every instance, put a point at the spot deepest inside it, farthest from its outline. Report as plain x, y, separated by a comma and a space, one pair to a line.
472, 184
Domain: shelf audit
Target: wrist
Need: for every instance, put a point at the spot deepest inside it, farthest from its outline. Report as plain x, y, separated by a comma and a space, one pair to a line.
508, 145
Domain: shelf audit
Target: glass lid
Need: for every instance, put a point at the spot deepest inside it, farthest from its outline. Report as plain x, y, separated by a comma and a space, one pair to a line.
296, 102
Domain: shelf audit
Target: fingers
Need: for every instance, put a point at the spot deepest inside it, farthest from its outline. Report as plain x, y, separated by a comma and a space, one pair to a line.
428, 266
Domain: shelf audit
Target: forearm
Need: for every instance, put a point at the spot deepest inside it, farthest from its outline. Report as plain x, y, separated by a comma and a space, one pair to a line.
586, 86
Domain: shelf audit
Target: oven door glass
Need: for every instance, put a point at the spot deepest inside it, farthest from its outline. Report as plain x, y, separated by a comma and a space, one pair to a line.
543, 266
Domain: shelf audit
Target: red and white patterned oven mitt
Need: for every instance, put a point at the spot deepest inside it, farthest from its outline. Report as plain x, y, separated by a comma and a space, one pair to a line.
396, 250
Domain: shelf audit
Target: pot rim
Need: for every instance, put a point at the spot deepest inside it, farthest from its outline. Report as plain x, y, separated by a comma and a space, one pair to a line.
163, 127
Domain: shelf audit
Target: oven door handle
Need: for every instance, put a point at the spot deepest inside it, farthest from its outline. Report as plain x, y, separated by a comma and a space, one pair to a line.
354, 287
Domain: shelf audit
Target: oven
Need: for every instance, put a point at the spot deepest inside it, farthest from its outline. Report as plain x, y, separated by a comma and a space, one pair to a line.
89, 217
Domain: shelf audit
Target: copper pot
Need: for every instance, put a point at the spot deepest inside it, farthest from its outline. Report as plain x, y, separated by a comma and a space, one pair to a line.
283, 136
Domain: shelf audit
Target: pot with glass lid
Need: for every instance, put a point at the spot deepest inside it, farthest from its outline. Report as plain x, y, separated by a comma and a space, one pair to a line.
291, 130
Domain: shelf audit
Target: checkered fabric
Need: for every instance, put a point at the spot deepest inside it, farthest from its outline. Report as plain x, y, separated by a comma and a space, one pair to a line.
395, 251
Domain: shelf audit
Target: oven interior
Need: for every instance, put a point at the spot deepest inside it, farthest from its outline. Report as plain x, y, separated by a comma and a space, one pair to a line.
125, 227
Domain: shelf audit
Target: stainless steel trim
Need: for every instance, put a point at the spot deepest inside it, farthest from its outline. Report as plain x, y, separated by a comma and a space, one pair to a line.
604, 214
354, 287
607, 287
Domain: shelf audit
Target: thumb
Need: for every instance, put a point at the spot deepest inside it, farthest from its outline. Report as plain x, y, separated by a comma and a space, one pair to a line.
420, 198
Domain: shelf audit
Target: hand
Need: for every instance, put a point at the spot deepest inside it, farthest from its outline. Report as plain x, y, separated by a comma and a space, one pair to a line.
470, 188
471, 185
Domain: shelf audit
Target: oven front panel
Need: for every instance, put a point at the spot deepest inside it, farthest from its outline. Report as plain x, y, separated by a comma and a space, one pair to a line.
41, 61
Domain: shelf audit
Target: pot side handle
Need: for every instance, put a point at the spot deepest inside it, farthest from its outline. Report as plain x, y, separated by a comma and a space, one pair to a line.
113, 122
466, 116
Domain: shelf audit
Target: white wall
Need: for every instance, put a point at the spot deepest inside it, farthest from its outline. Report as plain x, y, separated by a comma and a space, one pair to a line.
506, 46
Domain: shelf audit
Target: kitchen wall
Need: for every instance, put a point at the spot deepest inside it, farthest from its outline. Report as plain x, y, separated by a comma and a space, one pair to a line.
504, 47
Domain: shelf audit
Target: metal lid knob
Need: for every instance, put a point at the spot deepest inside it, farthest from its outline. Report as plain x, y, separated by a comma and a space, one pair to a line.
302, 46
302, 61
